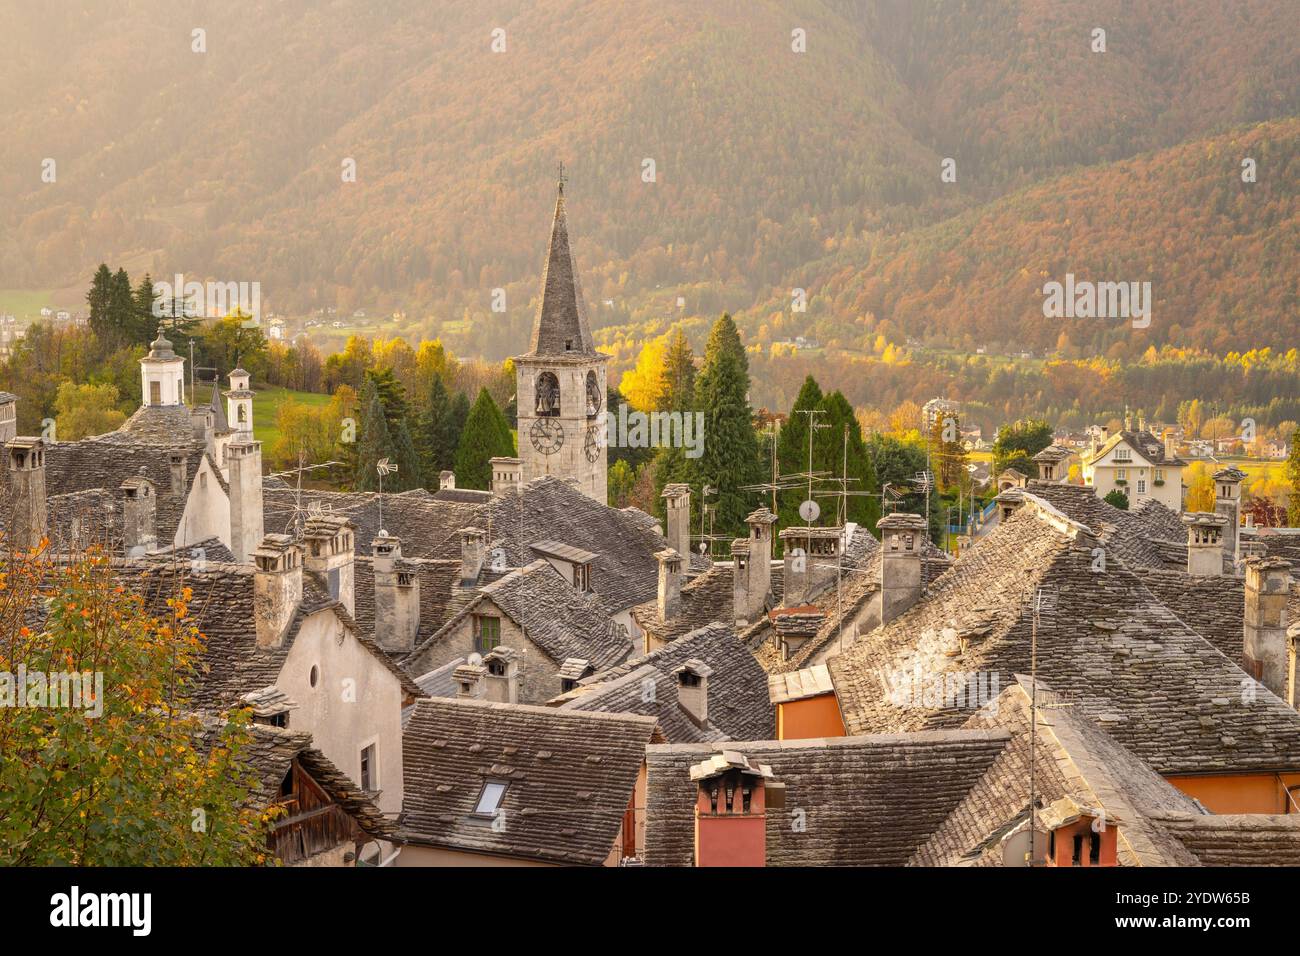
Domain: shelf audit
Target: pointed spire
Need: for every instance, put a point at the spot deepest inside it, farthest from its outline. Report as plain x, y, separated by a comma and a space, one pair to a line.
218, 410
561, 326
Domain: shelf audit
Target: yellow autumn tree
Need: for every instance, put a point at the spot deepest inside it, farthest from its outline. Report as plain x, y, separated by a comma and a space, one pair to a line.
643, 385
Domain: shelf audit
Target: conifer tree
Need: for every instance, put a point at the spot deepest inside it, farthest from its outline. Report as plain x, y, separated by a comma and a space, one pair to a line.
486, 436
101, 287
436, 444
730, 447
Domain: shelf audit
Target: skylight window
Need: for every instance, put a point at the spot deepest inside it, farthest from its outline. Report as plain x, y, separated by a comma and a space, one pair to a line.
490, 799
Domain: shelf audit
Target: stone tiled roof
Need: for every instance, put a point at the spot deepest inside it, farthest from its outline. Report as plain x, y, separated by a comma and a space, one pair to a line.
569, 777
1075, 759
440, 594
1150, 536
269, 755
1247, 839
737, 688
222, 608
163, 425
868, 800
1155, 685
705, 599
1077, 502
859, 590
624, 573
1213, 606
562, 313
1149, 446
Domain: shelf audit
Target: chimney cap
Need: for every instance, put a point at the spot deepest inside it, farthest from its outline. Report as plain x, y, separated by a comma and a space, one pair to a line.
727, 760
1204, 519
675, 490
276, 543
469, 533
694, 666
761, 516
513, 462
667, 556
900, 521
1230, 473
136, 483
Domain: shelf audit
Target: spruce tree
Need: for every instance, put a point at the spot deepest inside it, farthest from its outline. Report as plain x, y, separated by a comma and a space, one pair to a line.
486, 436
101, 287
373, 439
122, 324
434, 440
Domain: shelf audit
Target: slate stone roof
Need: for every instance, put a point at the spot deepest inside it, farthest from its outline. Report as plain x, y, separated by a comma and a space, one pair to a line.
1150, 536
163, 425
555, 616
624, 573
1155, 685
705, 599
1248, 839
737, 688
562, 313
1077, 502
1149, 446
569, 775
221, 607
860, 588
440, 594
869, 800
1213, 606
271, 752
1075, 759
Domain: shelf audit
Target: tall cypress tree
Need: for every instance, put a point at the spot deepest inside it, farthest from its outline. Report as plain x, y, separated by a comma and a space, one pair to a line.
486, 436
730, 447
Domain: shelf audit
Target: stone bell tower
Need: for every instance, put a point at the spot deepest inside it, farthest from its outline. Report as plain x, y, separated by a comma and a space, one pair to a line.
560, 382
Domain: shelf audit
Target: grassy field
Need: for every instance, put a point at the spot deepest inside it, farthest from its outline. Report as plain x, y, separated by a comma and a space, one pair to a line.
267, 402
24, 303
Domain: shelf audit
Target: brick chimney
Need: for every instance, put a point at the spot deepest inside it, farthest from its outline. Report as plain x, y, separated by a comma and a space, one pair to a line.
902, 538
502, 678
692, 680
1078, 836
1227, 502
244, 460
397, 595
1204, 543
446, 480
731, 805
139, 516
28, 517
473, 549
752, 582
471, 681
507, 474
677, 504
1268, 656
330, 552
277, 587
670, 583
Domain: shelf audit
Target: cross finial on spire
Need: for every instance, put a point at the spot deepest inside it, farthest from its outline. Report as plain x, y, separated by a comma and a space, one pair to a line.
563, 178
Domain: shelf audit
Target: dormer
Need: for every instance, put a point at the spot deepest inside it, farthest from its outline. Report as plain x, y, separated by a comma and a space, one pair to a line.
692, 680
574, 564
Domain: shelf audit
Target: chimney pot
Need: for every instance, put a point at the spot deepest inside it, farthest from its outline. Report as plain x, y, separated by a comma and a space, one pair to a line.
1266, 646
277, 587
507, 474
28, 522
670, 583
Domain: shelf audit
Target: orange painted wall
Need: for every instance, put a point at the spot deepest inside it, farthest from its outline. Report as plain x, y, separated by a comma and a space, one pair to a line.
811, 717
1240, 793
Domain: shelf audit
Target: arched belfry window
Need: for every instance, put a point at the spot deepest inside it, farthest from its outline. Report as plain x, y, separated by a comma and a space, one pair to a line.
594, 398
548, 395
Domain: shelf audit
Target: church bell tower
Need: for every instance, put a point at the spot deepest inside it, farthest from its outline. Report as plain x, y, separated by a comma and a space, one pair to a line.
560, 382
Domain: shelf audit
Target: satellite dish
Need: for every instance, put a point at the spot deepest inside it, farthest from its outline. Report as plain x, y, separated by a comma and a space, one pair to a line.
809, 511
1015, 851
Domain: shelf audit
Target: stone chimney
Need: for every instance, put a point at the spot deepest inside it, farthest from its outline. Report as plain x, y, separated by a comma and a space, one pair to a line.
397, 595
1227, 502
1204, 543
731, 807
201, 422
473, 549
28, 516
246, 529
139, 516
507, 474
446, 480
811, 562
471, 681
670, 583
502, 678
902, 538
693, 690
277, 587
677, 503
1268, 656
1171, 444
178, 465
330, 555
752, 582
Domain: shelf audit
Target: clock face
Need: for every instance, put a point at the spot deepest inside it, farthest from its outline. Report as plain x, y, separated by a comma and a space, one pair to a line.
593, 443
547, 435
